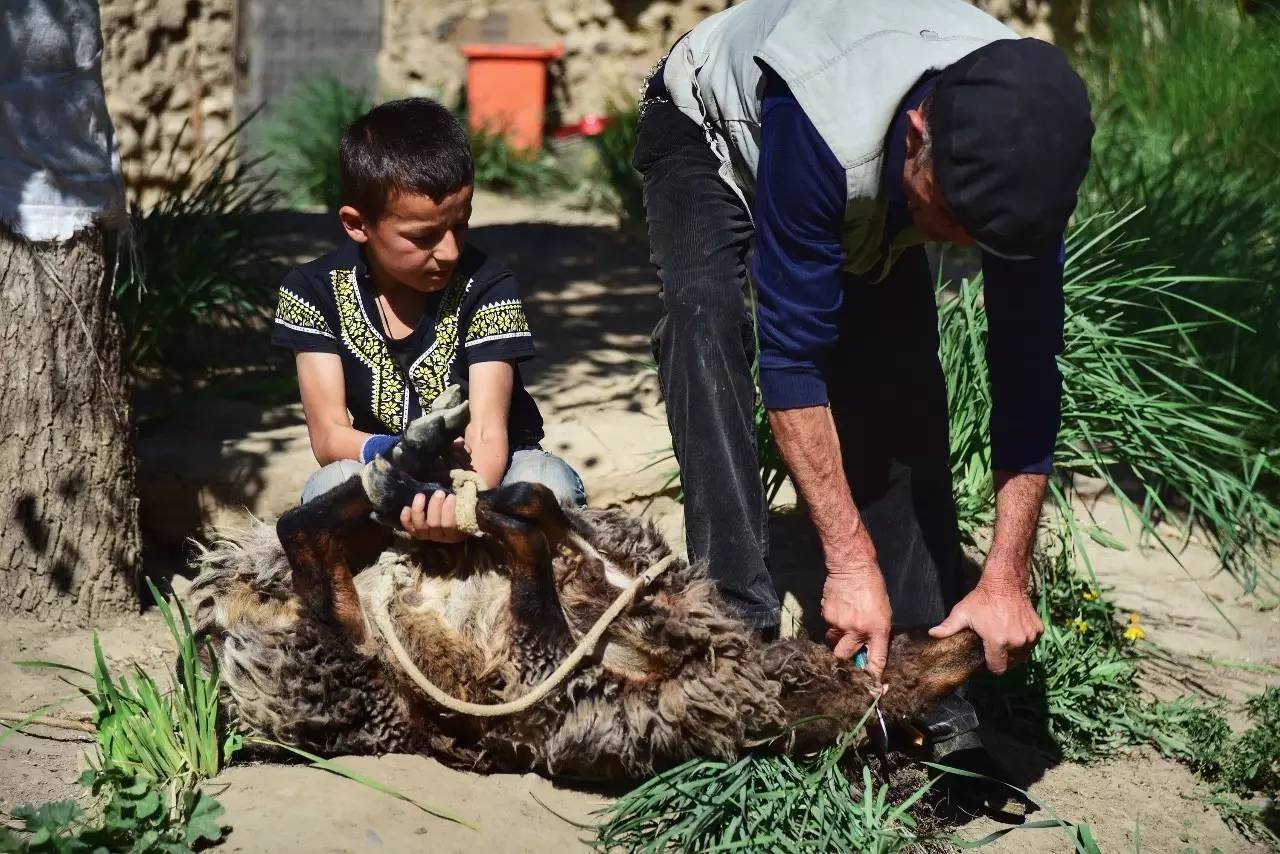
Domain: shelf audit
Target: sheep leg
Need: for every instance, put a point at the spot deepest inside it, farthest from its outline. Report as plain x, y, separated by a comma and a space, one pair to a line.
922, 670
323, 540
526, 519
835, 694
427, 438
388, 490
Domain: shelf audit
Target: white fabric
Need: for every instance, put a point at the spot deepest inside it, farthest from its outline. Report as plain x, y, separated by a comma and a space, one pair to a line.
59, 167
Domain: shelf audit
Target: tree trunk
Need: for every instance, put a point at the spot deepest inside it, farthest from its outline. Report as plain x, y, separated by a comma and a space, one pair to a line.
69, 530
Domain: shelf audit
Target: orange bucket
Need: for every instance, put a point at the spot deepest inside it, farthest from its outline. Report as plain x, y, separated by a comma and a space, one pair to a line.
507, 90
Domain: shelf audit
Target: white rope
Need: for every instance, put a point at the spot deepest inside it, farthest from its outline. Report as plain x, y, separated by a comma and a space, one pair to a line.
466, 488
382, 617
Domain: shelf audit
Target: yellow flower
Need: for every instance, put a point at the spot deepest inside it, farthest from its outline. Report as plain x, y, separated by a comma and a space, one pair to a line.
1079, 625
1089, 595
1135, 632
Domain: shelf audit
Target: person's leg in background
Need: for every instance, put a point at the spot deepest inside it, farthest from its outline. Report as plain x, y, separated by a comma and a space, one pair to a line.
534, 465
889, 401
699, 234
327, 477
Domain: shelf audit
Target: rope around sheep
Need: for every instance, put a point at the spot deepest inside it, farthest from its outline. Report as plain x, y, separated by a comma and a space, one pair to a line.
382, 616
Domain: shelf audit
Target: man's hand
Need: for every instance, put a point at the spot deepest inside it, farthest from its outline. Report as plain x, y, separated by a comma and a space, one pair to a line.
432, 519
856, 607
999, 609
1003, 616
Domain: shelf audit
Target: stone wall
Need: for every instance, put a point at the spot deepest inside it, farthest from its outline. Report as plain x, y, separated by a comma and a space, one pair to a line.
609, 44
1058, 21
169, 72
170, 63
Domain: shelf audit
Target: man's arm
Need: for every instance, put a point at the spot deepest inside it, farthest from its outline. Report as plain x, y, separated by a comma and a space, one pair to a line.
1025, 320
999, 608
800, 203
854, 601
324, 403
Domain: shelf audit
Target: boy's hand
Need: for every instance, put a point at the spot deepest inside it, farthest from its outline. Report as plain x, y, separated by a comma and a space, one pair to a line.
432, 519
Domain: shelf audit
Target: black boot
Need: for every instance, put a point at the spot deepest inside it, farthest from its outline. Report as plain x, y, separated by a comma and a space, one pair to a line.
987, 795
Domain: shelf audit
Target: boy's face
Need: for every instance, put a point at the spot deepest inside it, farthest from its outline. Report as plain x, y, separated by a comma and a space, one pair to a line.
416, 242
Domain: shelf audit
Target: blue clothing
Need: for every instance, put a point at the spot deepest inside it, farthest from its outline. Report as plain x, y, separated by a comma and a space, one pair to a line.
797, 269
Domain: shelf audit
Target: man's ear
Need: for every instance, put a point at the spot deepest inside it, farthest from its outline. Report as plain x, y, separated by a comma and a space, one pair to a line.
915, 132
353, 223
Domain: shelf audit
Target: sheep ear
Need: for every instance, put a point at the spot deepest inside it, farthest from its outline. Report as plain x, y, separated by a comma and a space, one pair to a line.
922, 670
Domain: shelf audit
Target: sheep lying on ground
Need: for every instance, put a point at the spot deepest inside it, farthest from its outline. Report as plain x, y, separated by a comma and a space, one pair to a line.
287, 612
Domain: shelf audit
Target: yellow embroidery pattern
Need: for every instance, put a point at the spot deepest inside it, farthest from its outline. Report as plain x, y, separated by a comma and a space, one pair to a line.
296, 313
430, 373
498, 320
389, 398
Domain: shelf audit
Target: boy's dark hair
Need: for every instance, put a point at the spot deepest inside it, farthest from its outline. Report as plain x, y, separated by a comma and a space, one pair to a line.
410, 146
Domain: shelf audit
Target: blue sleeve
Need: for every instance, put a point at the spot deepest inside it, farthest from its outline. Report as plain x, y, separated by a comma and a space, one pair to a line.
1024, 318
800, 201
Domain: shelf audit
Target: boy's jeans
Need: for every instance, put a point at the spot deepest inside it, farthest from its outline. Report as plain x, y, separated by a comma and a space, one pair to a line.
887, 394
529, 464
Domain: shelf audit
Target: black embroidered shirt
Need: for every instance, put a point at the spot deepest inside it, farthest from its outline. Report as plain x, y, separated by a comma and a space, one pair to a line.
327, 306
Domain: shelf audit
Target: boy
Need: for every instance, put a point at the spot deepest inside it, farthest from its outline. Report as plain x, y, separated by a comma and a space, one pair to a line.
385, 323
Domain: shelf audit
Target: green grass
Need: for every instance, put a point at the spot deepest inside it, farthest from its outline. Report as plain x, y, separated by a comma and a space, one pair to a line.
167, 736
154, 748
194, 257
1142, 409
762, 803
1185, 106
623, 191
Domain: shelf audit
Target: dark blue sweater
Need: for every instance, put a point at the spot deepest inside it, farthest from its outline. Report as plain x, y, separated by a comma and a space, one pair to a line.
797, 267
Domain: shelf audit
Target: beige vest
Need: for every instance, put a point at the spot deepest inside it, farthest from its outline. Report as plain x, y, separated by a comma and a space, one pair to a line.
849, 64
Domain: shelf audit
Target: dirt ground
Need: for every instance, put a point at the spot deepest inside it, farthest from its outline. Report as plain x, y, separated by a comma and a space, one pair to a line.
591, 298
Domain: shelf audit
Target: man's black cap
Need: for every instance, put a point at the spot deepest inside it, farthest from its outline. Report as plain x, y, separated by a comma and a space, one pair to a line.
1010, 130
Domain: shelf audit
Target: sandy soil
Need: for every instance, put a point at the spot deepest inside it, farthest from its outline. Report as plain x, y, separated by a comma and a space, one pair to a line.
591, 300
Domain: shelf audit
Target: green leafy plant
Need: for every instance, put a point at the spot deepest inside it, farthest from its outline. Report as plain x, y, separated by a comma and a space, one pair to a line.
1237, 767
502, 167
153, 749
301, 139
613, 172
134, 818
1076, 692
195, 257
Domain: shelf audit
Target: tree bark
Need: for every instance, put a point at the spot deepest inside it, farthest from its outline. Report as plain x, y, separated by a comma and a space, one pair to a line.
69, 544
